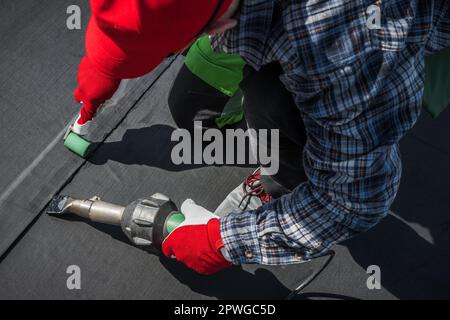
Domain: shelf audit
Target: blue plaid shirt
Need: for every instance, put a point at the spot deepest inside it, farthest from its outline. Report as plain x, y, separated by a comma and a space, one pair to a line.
359, 90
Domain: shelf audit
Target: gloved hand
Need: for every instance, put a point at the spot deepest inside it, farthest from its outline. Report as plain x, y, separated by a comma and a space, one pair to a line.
81, 126
94, 88
197, 241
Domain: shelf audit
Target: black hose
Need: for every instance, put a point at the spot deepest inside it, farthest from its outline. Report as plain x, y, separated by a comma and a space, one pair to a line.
313, 274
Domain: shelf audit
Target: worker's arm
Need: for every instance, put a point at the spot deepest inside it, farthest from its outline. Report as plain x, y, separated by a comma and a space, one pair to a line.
129, 38
352, 161
94, 88
116, 48
352, 183
104, 66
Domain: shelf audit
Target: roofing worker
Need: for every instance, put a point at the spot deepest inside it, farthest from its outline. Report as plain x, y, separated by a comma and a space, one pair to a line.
341, 94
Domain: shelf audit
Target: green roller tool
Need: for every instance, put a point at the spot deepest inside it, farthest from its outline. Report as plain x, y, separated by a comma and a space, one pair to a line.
76, 143
146, 222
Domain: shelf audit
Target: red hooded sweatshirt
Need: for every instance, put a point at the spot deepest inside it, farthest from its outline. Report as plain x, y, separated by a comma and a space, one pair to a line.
129, 38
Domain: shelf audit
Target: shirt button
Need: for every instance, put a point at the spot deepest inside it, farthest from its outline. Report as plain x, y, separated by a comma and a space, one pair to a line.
248, 254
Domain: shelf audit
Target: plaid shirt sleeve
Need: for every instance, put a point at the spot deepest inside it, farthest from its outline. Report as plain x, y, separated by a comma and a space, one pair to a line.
359, 91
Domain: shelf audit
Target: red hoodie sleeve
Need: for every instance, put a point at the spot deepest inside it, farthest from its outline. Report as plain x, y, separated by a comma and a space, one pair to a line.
115, 50
94, 88
104, 65
129, 38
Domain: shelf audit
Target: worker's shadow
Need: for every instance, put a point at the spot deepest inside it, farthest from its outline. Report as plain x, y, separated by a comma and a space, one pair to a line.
150, 146
253, 282
414, 263
411, 267
232, 283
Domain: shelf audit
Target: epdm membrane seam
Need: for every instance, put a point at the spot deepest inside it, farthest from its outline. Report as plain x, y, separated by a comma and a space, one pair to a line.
77, 170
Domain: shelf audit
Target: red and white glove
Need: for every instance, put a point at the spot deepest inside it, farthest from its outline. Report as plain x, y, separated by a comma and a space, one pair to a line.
197, 242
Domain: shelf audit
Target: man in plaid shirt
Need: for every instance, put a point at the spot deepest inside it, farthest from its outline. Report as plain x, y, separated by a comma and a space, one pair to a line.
342, 93
357, 90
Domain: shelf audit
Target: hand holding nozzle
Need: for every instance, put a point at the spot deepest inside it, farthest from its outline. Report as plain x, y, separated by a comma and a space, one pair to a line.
155, 223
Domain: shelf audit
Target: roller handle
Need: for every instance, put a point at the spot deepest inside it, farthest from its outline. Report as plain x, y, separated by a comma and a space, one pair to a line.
167, 219
173, 221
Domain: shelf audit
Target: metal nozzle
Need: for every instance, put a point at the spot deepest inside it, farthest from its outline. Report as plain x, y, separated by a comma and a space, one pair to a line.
93, 209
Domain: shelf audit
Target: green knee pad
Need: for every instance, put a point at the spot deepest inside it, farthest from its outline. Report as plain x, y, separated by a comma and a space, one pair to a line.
221, 71
224, 72
437, 82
